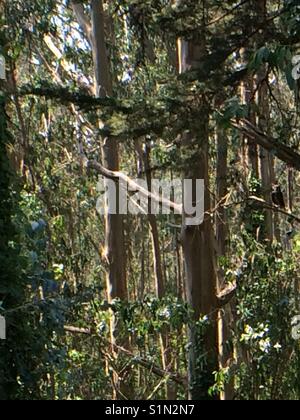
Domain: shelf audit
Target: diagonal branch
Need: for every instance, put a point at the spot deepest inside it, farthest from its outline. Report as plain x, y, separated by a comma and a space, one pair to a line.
116, 175
262, 203
280, 150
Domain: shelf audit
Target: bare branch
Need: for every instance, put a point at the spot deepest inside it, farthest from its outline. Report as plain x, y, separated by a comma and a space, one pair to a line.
114, 175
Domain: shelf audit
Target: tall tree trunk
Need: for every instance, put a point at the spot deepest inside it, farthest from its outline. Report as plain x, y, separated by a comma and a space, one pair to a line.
290, 182
200, 284
115, 256
248, 97
198, 249
225, 314
145, 155
265, 157
94, 29
263, 122
114, 232
222, 190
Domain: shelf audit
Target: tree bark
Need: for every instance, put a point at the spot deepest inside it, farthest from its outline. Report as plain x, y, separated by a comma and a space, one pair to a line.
114, 231
251, 150
265, 157
290, 183
198, 249
145, 156
114, 251
263, 123
222, 190
201, 283
225, 314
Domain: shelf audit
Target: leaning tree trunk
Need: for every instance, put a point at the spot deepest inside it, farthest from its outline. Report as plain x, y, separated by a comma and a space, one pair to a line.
198, 249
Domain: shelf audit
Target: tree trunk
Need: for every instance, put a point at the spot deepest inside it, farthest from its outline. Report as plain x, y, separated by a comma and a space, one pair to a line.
197, 241
248, 98
200, 286
225, 314
222, 190
290, 182
263, 123
265, 158
115, 255
252, 150
114, 232
145, 155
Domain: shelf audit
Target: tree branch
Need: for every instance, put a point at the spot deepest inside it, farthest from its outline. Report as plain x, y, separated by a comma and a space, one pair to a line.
114, 175
280, 150
140, 361
80, 98
268, 206
225, 296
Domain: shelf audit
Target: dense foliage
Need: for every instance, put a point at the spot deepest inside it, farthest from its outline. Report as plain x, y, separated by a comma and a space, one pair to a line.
66, 339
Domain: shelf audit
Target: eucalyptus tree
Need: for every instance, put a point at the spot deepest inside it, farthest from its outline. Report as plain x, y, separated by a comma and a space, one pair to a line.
167, 89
